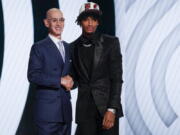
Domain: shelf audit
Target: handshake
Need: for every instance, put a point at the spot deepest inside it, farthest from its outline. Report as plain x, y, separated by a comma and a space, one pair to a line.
67, 82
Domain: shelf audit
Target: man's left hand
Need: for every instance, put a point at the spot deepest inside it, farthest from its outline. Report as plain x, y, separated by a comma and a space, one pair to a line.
108, 120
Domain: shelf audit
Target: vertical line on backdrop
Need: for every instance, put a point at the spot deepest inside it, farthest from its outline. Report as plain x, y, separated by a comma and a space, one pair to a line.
1, 38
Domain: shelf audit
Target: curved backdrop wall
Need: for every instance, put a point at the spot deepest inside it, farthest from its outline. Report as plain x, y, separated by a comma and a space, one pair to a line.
149, 34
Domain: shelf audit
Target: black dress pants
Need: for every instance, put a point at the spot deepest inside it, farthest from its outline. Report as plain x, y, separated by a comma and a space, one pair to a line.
93, 126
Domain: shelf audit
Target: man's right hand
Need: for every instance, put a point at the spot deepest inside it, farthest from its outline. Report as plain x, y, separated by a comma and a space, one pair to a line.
67, 82
108, 120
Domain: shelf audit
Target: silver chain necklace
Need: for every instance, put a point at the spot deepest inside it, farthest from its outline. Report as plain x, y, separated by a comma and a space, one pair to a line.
87, 45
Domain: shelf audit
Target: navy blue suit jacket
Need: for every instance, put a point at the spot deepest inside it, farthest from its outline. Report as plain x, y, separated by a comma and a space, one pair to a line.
46, 67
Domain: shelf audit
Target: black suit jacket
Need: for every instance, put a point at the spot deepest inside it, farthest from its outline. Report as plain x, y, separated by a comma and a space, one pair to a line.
106, 78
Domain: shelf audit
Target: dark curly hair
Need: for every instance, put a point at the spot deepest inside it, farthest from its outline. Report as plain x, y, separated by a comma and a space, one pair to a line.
96, 15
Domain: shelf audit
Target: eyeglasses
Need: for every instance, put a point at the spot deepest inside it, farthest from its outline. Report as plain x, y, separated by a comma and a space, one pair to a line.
55, 20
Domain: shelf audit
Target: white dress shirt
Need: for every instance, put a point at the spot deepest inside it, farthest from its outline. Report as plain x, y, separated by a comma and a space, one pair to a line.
55, 40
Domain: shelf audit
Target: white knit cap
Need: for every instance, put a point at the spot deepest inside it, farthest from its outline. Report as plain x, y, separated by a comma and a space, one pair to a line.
89, 6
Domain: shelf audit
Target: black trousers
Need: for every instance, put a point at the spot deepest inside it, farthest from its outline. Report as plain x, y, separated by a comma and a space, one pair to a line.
90, 121
94, 127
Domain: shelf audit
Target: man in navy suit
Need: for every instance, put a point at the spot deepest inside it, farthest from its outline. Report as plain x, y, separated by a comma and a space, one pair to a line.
48, 68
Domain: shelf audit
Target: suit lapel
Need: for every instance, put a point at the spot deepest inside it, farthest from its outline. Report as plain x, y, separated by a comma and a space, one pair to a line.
53, 48
81, 63
77, 60
97, 53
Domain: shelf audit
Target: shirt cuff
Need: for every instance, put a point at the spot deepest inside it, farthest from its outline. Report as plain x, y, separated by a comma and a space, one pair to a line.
112, 110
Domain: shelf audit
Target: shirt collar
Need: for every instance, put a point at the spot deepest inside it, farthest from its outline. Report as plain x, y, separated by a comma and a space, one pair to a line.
54, 39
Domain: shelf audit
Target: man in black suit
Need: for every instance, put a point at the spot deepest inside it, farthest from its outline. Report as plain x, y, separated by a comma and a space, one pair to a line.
49, 64
97, 71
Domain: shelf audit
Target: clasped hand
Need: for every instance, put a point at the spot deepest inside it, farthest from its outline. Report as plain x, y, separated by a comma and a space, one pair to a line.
67, 82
